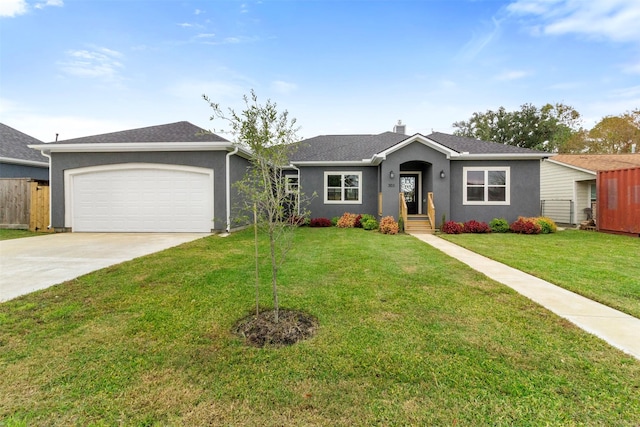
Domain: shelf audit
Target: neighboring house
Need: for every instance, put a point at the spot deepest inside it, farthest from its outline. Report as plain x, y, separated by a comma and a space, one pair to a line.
167, 178
568, 190
175, 178
17, 160
440, 176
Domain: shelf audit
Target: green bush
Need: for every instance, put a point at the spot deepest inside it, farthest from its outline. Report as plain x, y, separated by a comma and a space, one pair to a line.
334, 221
499, 225
369, 224
547, 225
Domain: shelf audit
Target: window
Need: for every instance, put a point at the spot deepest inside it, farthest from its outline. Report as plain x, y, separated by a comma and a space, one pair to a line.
343, 187
486, 186
291, 186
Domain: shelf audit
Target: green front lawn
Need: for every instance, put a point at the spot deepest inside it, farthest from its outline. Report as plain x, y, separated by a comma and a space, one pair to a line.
603, 267
6, 234
407, 336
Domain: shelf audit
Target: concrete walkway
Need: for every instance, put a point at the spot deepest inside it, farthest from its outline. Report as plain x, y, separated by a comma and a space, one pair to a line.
618, 329
33, 263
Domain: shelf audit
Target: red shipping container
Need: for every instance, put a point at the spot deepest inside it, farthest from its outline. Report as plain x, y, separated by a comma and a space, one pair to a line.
618, 201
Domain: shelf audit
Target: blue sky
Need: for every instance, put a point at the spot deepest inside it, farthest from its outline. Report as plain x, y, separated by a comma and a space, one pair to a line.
85, 67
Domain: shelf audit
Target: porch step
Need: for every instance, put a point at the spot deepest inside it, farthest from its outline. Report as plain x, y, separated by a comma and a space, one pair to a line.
418, 225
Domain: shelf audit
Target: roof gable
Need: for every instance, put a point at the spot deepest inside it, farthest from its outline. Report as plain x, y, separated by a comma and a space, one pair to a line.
599, 162
14, 145
171, 132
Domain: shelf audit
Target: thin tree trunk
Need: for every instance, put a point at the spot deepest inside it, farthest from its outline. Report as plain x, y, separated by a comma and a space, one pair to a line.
274, 275
255, 236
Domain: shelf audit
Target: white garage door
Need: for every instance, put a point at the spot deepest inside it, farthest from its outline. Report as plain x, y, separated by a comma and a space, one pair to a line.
141, 198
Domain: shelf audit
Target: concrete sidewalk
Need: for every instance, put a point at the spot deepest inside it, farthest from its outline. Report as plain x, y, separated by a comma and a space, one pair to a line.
618, 329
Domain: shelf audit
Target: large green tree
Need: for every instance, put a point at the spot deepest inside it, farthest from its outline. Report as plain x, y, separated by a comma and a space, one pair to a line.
547, 128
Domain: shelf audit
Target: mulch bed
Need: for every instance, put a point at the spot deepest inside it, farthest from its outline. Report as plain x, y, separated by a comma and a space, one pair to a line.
262, 330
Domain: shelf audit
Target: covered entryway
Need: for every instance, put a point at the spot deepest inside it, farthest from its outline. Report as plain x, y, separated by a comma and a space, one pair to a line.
139, 197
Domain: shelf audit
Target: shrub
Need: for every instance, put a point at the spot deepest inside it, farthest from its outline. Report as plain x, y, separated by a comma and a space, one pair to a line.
334, 221
452, 227
320, 222
358, 222
347, 220
547, 225
474, 226
297, 220
388, 225
525, 226
499, 225
370, 224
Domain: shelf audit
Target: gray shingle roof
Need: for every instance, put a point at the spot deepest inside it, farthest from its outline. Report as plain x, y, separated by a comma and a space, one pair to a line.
13, 145
171, 132
475, 146
329, 148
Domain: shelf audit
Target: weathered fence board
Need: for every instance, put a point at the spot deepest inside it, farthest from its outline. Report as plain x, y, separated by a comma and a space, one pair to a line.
24, 204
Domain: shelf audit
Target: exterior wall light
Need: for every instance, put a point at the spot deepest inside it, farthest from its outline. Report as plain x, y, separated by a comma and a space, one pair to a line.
391, 175
442, 175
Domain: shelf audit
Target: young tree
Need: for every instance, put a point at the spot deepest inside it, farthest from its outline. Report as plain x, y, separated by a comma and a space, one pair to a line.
269, 135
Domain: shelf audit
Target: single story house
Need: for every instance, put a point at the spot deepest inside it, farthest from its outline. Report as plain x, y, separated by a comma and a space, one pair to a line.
17, 160
568, 184
175, 177
439, 176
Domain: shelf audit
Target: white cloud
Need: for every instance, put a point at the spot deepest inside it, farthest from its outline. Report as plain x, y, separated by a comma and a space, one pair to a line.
512, 75
479, 42
615, 20
42, 5
631, 68
283, 88
12, 8
97, 63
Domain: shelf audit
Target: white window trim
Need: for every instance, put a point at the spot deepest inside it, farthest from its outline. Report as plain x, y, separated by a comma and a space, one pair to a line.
289, 184
486, 169
343, 202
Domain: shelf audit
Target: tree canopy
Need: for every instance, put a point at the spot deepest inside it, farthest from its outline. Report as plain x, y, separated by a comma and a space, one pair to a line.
547, 128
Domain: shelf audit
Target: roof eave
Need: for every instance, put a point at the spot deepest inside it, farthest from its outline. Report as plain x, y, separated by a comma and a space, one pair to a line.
111, 147
504, 156
578, 168
365, 162
24, 162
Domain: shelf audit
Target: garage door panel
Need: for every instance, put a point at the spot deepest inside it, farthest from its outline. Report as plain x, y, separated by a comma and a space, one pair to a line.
144, 199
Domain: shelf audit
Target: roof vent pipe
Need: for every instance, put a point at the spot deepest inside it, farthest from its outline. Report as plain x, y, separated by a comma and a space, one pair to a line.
400, 128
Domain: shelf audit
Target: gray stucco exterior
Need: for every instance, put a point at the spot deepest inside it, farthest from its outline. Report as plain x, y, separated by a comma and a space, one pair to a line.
312, 181
524, 191
438, 164
215, 160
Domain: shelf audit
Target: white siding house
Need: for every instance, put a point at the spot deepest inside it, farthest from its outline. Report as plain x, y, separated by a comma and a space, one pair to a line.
566, 191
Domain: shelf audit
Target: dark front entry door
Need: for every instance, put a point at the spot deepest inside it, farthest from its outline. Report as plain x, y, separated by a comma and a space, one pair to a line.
409, 186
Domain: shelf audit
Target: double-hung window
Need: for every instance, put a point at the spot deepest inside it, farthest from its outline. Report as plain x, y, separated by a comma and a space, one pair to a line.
486, 185
343, 187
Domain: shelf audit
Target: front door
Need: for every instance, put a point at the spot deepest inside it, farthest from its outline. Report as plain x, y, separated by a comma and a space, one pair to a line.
410, 186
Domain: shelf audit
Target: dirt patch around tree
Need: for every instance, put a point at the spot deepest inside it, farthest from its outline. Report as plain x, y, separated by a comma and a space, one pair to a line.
263, 330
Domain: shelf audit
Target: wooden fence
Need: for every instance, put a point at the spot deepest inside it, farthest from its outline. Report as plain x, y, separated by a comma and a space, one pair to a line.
24, 204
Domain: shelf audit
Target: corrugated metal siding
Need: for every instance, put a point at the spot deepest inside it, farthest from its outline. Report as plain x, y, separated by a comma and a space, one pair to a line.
619, 201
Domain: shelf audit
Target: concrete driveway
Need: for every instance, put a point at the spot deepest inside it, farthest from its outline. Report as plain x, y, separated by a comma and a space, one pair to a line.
34, 263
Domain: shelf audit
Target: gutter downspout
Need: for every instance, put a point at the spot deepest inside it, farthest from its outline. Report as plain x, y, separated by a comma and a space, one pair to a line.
228, 185
299, 186
48, 156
